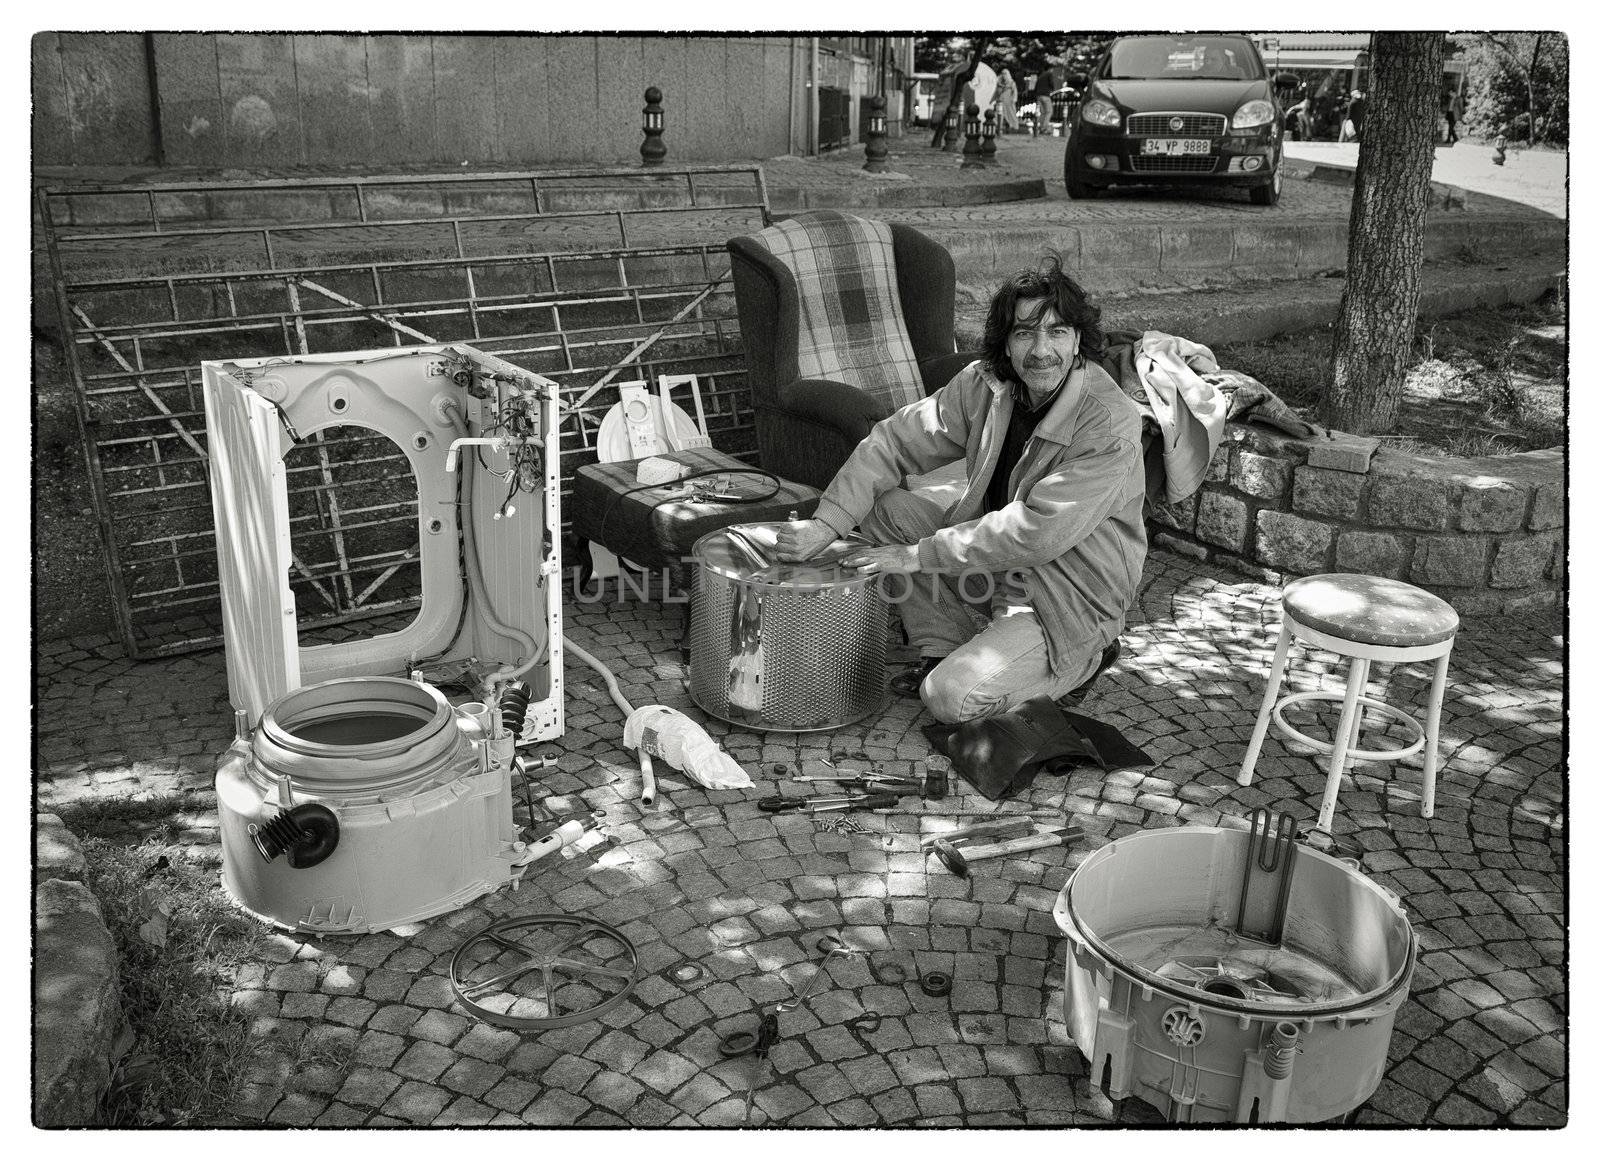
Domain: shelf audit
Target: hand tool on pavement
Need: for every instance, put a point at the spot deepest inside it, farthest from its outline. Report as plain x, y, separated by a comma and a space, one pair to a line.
863, 778
956, 859
779, 803
765, 1038
997, 829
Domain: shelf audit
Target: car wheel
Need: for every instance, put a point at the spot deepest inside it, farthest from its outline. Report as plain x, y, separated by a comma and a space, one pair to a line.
1267, 193
1078, 189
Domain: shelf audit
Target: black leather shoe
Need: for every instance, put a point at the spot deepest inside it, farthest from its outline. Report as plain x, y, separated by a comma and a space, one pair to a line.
908, 682
1108, 658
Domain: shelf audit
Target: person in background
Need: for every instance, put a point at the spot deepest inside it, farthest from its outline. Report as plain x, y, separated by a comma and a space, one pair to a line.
1005, 102
1357, 112
1020, 588
1045, 84
1450, 106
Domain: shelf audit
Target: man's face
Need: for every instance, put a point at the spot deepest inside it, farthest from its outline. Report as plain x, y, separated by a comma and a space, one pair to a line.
1041, 346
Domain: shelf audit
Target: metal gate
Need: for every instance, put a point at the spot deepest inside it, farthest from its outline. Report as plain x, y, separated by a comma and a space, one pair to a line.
583, 276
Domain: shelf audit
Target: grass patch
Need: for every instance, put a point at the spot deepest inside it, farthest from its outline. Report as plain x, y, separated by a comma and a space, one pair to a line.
1488, 382
180, 943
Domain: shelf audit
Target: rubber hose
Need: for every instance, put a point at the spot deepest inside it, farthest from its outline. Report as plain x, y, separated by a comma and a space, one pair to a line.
308, 832
647, 775
476, 587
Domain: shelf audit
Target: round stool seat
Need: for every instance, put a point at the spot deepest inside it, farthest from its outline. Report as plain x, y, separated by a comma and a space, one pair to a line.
1370, 610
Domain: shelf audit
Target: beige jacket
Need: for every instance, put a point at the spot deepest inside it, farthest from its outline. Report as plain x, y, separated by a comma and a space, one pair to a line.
1075, 530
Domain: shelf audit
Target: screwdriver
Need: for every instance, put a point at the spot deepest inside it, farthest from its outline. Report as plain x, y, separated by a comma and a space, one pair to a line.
779, 803
864, 779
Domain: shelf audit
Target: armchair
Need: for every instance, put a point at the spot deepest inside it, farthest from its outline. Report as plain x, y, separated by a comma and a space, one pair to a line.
844, 321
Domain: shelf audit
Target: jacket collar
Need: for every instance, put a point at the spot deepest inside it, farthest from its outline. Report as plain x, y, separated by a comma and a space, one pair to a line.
1058, 422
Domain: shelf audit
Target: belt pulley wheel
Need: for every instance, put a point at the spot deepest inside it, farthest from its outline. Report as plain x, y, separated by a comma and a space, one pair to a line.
538, 972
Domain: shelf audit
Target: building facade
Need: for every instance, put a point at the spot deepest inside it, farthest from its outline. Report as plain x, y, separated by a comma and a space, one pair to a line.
282, 100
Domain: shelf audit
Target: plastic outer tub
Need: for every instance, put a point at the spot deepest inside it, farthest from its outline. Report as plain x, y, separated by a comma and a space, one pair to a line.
779, 646
424, 817
1168, 1003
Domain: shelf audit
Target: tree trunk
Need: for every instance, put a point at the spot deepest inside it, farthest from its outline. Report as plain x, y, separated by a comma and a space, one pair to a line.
1533, 63
1388, 215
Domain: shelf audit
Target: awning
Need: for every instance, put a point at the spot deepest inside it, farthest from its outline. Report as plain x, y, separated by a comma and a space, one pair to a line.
1300, 59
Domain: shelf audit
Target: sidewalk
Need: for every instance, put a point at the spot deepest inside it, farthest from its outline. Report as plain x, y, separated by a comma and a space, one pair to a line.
705, 877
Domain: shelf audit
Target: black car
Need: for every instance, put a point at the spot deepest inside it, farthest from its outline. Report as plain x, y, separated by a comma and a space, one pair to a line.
1177, 110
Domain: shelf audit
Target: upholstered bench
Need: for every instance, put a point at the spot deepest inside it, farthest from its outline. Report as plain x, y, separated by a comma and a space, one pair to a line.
656, 526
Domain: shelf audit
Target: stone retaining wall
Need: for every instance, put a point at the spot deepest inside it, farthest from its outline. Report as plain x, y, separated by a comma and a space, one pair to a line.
79, 1031
1487, 534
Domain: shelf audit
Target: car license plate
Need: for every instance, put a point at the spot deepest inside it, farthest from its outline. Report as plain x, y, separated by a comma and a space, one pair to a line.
1176, 146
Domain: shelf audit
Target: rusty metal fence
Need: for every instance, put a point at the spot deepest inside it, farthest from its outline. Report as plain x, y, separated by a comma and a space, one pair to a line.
587, 277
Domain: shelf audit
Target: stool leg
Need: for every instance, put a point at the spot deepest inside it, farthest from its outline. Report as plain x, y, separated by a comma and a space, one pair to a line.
1430, 753
1279, 660
1355, 686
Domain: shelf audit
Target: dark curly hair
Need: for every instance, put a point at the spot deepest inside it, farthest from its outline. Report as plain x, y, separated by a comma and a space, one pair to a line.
1049, 282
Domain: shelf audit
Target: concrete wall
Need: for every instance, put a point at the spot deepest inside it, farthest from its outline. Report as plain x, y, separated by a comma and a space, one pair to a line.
281, 100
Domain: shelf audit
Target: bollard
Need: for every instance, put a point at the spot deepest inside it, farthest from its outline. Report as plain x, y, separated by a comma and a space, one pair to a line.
877, 136
972, 152
653, 151
991, 143
952, 128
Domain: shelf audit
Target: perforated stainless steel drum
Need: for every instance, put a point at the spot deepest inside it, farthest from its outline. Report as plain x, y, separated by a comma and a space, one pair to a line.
778, 646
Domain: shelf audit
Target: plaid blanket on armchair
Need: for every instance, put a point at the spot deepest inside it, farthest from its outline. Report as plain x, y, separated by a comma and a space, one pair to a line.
852, 329
843, 321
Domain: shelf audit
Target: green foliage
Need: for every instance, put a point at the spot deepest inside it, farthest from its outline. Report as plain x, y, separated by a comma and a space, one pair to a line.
1500, 65
179, 943
1023, 55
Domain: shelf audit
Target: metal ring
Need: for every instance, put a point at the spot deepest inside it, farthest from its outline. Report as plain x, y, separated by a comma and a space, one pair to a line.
1371, 706
936, 983
868, 1021
686, 973
737, 1043
889, 973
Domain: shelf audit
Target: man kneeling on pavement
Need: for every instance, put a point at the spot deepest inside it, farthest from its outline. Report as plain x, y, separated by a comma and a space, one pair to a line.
1048, 536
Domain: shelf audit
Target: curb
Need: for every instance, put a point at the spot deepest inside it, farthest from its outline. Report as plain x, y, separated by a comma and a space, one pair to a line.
911, 194
1264, 311
1440, 194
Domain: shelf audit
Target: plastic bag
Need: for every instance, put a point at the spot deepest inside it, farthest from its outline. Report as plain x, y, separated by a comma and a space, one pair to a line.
680, 741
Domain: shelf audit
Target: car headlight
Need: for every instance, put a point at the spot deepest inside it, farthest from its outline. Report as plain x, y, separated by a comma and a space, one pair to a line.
1253, 113
1098, 112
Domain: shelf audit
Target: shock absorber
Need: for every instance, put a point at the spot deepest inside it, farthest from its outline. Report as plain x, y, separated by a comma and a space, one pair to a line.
514, 699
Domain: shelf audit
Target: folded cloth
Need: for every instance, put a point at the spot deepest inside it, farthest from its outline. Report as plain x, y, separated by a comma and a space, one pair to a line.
1250, 401
1001, 755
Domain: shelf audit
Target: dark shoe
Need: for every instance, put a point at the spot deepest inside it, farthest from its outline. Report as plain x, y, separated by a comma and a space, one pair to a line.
908, 683
1108, 658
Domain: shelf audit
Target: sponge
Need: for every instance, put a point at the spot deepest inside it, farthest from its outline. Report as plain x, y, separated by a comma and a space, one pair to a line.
656, 470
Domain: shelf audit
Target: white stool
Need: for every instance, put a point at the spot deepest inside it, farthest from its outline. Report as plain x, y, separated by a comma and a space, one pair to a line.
1367, 619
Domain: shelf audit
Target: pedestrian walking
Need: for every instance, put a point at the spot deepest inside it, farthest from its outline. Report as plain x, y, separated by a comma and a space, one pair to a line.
1005, 102
1044, 85
1450, 106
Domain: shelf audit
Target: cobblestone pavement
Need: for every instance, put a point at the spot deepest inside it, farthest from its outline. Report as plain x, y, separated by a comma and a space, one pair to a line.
705, 877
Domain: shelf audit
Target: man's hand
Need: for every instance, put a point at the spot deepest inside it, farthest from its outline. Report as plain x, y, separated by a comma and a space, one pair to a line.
803, 539
888, 558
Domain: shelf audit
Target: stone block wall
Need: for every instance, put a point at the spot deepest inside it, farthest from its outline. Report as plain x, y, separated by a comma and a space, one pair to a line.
79, 1031
1486, 534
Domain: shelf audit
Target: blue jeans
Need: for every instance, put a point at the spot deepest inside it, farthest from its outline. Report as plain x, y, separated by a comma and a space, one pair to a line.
994, 651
